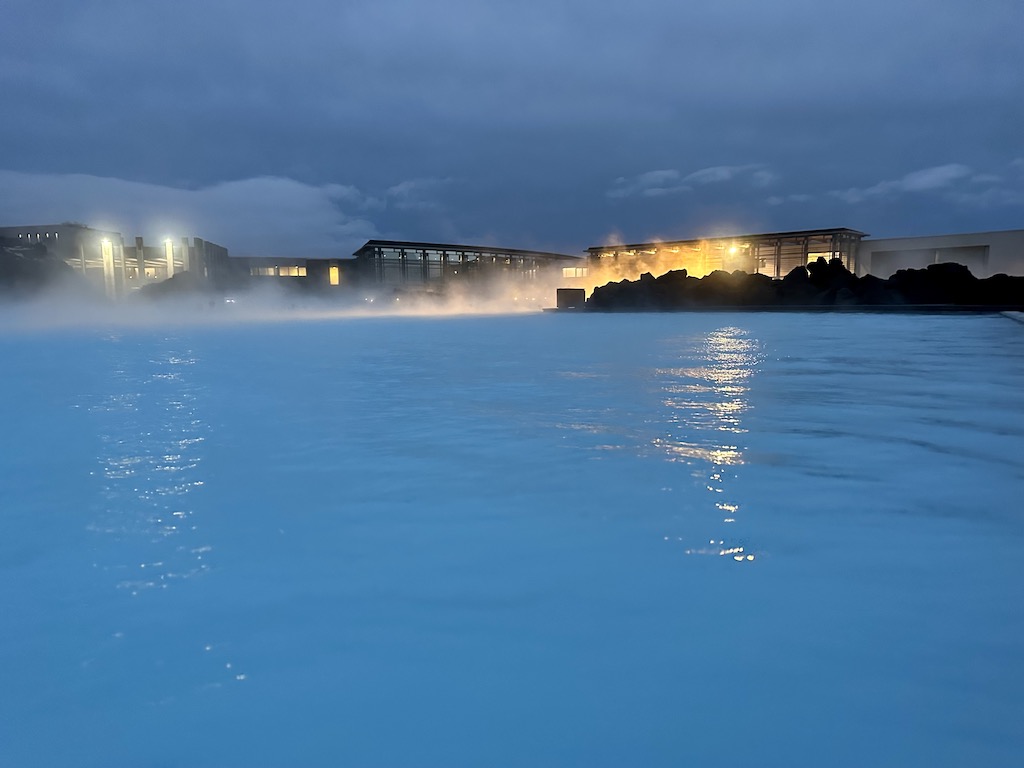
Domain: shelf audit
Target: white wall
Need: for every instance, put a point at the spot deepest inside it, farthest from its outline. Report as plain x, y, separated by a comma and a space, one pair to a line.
985, 253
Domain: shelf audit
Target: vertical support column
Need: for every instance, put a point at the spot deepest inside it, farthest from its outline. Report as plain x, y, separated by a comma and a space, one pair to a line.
186, 256
140, 260
778, 257
198, 258
169, 256
107, 259
119, 267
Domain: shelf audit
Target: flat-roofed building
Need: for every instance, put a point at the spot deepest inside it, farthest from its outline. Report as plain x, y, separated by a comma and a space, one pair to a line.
984, 253
95, 253
146, 264
395, 263
320, 273
101, 256
771, 253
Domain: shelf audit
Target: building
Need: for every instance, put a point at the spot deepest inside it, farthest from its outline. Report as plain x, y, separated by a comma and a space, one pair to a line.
777, 253
145, 264
984, 253
304, 272
97, 254
103, 259
773, 253
398, 264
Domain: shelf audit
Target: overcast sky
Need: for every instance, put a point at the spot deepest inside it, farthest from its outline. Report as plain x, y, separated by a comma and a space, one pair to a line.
307, 127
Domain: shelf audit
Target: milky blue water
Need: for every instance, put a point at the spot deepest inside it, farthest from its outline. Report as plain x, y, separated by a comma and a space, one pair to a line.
534, 540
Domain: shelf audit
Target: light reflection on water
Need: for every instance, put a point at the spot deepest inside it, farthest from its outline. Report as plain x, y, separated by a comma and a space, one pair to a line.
705, 404
151, 438
690, 414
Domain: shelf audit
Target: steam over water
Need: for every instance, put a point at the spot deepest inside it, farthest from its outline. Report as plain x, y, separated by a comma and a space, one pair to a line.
626, 540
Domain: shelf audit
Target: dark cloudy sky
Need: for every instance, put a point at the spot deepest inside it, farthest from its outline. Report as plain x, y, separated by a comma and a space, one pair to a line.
307, 127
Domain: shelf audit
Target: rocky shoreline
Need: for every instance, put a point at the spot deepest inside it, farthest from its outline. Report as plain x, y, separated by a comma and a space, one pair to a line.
821, 286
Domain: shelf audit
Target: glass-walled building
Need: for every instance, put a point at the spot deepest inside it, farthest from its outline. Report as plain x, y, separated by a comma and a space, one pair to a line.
774, 253
393, 263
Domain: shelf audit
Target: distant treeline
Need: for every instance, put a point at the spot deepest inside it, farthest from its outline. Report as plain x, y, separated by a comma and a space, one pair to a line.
820, 284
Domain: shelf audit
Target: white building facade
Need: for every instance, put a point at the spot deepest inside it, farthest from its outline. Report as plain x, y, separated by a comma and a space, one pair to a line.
984, 253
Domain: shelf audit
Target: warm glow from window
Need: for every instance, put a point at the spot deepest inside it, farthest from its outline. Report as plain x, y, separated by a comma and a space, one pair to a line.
335, 274
574, 271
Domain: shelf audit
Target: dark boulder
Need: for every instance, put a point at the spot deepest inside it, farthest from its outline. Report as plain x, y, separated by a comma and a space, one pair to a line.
874, 291
796, 289
937, 284
26, 270
1001, 290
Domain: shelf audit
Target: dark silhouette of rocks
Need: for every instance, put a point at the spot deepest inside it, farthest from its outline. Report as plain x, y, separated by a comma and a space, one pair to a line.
27, 270
820, 285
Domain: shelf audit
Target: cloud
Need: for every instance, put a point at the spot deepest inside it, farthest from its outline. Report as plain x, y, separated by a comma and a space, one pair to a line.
264, 216
670, 181
417, 194
936, 178
928, 179
649, 184
756, 173
986, 198
793, 198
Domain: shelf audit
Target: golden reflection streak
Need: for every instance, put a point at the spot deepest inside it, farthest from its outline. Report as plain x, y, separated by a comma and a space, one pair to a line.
706, 400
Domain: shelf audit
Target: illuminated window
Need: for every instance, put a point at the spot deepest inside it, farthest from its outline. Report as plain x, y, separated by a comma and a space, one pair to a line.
574, 271
335, 275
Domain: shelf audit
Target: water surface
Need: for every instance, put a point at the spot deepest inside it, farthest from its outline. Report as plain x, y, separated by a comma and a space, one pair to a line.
658, 540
